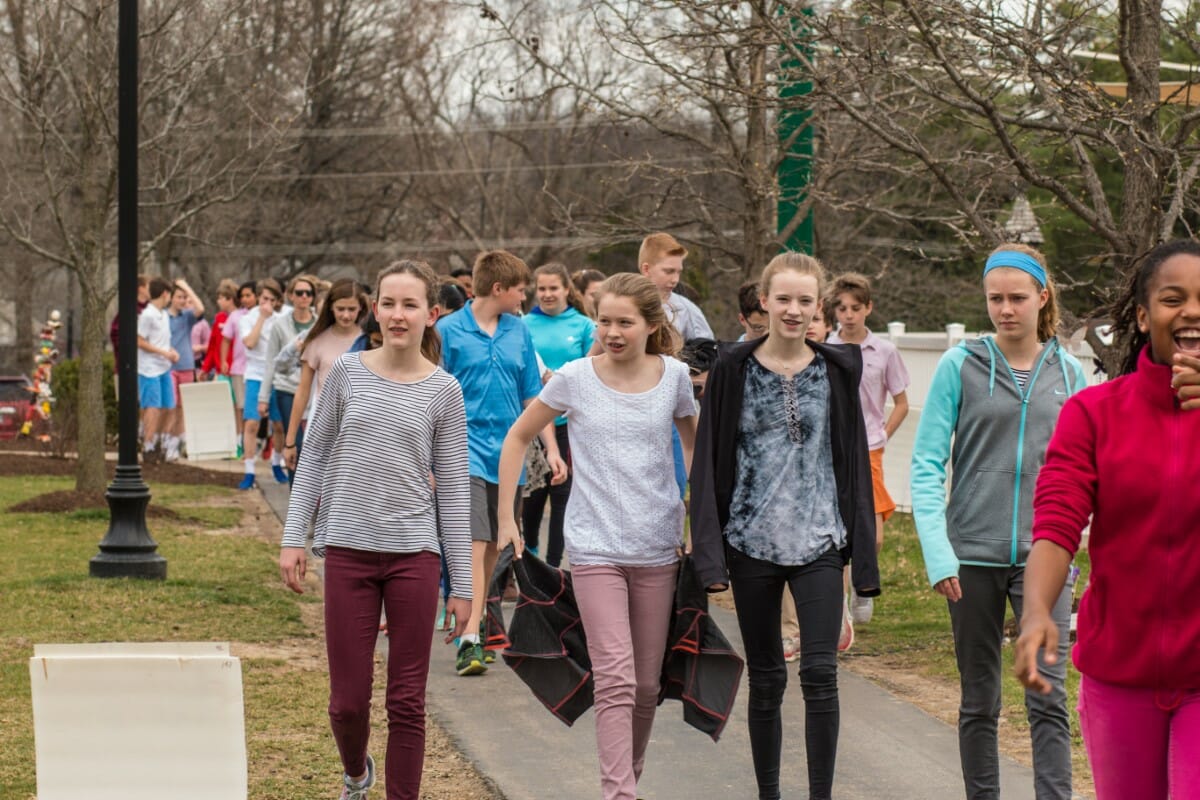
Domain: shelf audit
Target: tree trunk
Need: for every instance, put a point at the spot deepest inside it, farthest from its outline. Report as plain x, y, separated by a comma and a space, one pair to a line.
23, 318
89, 472
758, 216
1141, 209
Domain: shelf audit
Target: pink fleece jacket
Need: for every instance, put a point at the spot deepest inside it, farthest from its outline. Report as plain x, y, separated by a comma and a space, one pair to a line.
1125, 454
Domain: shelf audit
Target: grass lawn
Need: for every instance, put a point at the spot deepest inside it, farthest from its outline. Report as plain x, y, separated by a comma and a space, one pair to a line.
911, 632
221, 586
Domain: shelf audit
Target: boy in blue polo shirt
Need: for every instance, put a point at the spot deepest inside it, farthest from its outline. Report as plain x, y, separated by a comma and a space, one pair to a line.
487, 348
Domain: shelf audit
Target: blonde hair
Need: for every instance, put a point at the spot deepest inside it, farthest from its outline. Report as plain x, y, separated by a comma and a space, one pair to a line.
791, 261
1048, 315
574, 298
431, 342
658, 246
227, 289
497, 267
644, 294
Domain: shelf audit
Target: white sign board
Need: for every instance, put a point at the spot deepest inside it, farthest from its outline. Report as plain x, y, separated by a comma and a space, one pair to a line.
138, 722
208, 420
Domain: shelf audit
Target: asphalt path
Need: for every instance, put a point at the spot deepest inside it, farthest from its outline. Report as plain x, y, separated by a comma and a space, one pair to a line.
888, 749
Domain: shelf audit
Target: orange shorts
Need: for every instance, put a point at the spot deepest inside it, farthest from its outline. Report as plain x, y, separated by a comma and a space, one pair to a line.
884, 504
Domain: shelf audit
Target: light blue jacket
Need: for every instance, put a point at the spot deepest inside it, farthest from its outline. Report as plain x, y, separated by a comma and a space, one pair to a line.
994, 435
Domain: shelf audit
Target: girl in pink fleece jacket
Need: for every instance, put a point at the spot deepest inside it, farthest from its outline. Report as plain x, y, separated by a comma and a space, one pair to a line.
1127, 455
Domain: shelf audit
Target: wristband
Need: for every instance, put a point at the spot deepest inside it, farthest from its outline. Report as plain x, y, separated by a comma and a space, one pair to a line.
289, 446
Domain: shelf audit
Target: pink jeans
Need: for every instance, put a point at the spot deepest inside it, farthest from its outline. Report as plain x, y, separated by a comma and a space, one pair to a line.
1142, 743
357, 585
626, 614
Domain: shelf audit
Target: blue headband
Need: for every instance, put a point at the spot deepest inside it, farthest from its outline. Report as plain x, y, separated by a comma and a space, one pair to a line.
1016, 260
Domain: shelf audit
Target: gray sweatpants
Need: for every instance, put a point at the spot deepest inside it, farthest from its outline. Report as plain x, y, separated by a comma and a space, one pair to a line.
978, 623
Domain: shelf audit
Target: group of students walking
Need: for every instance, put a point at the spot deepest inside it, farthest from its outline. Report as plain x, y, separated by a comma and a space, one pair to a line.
415, 457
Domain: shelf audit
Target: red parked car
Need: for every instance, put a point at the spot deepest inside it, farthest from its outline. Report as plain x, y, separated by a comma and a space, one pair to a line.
16, 404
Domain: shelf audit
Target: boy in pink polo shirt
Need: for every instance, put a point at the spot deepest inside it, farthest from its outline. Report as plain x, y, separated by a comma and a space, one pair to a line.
884, 374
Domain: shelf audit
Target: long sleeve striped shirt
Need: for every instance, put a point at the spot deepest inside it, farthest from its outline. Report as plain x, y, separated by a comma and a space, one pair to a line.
364, 470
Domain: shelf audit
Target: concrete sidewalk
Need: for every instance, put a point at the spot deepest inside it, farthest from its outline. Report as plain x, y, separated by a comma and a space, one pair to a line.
887, 747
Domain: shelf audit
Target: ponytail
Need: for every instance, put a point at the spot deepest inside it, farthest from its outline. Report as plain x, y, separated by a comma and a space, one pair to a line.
1048, 315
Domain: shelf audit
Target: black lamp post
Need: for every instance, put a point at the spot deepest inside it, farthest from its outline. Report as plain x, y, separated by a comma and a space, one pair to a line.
127, 550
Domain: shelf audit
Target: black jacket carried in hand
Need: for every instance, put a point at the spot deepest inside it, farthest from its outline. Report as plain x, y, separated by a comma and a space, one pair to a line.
714, 465
546, 647
545, 644
701, 668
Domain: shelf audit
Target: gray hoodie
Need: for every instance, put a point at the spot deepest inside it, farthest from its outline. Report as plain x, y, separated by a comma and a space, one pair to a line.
995, 435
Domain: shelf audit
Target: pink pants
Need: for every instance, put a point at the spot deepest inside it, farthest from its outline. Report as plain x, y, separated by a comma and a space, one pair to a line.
1142, 743
626, 614
357, 584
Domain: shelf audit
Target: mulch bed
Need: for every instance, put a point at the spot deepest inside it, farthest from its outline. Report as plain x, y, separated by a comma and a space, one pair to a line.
71, 500
12, 464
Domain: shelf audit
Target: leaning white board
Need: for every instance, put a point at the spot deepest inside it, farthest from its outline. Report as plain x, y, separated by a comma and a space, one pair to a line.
208, 419
138, 722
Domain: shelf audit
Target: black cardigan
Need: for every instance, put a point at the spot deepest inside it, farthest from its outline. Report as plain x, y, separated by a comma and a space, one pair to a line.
714, 465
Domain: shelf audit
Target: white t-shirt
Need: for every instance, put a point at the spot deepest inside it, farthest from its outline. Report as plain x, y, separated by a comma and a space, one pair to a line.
256, 357
624, 507
155, 327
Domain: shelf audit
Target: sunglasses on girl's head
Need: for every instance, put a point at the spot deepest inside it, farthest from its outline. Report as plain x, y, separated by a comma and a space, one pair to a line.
302, 292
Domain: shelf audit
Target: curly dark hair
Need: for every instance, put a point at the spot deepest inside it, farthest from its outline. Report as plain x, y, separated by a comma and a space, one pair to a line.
1128, 339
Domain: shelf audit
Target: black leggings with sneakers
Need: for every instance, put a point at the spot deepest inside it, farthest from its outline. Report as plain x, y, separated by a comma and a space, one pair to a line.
758, 592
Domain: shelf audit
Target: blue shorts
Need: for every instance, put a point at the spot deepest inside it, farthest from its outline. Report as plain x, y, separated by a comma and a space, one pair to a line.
250, 409
274, 410
157, 391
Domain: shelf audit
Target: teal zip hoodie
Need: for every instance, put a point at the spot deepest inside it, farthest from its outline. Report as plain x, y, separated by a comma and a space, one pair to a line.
994, 435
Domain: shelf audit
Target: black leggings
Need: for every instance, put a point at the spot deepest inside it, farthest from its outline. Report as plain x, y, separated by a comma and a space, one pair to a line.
758, 593
535, 504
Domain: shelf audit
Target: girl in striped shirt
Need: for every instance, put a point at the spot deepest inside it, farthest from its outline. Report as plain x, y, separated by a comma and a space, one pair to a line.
380, 525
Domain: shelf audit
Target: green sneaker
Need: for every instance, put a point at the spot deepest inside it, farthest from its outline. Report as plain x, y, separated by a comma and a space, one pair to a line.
470, 660
489, 656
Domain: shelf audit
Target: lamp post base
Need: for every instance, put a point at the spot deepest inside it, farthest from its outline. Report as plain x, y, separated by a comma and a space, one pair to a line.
127, 550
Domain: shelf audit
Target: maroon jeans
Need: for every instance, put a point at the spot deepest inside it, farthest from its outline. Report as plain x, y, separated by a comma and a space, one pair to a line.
358, 584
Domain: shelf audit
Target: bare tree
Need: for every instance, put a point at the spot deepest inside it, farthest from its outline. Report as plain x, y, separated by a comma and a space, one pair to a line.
700, 76
59, 82
1023, 92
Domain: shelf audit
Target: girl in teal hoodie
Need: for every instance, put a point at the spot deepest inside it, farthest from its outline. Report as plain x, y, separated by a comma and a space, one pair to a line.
561, 333
990, 411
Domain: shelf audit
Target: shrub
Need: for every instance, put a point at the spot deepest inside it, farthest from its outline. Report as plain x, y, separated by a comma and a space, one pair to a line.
65, 385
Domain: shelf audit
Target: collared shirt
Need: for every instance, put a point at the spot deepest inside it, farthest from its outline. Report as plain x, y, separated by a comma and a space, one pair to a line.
498, 374
884, 374
687, 318
181, 338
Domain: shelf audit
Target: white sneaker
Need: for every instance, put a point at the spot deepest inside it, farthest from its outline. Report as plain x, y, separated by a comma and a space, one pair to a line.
862, 609
791, 649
